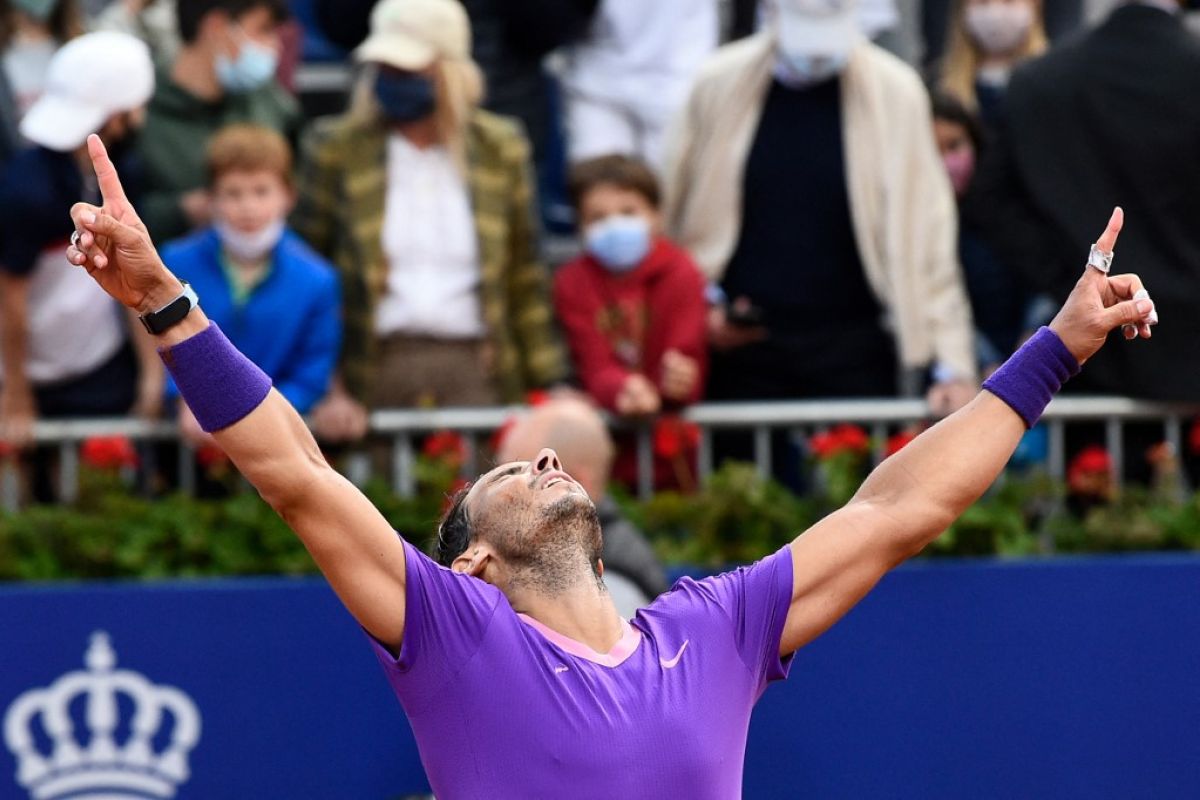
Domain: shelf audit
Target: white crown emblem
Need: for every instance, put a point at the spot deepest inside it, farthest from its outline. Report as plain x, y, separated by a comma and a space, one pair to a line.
73, 765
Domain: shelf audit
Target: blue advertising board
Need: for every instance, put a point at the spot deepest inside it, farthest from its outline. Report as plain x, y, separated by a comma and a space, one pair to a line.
1066, 678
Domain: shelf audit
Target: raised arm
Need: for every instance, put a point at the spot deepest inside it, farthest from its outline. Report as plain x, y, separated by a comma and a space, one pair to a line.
912, 497
352, 543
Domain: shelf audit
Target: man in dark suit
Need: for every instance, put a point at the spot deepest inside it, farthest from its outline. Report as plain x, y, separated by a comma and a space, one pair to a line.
1110, 118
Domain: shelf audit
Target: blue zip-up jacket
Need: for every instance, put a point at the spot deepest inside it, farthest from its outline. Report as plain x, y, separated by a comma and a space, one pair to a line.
290, 325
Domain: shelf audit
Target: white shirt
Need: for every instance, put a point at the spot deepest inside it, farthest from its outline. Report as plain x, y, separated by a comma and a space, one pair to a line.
430, 243
74, 327
643, 52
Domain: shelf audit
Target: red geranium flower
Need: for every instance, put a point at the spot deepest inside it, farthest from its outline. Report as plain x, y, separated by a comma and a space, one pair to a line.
108, 452
1091, 472
674, 436
844, 438
211, 456
535, 397
1194, 437
898, 442
448, 447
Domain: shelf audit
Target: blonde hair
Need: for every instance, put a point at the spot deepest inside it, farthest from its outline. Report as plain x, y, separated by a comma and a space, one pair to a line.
248, 148
458, 85
963, 56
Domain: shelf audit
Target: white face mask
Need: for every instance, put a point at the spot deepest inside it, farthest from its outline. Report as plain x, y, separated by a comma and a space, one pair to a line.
814, 39
253, 246
799, 71
999, 28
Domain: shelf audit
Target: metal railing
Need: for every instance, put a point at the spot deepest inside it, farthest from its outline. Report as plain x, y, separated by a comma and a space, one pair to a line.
405, 427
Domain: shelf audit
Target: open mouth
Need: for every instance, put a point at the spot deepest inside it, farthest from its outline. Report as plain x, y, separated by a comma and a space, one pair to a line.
553, 477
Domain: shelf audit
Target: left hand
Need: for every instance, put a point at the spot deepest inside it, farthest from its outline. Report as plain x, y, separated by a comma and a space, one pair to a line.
114, 246
1100, 303
949, 396
679, 375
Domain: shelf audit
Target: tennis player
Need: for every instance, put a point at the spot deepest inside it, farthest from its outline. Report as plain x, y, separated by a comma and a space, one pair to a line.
518, 676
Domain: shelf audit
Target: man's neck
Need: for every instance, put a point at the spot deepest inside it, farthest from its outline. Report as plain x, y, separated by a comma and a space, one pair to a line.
194, 72
421, 134
585, 613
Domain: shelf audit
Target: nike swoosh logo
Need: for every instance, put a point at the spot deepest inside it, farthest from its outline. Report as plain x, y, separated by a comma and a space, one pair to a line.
672, 662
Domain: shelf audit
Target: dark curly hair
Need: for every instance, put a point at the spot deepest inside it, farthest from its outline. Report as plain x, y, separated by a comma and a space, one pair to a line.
454, 531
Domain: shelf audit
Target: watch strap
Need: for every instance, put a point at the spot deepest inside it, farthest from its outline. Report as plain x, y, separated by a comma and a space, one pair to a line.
162, 320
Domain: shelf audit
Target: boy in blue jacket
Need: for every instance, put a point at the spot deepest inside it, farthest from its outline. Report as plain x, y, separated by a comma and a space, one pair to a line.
273, 296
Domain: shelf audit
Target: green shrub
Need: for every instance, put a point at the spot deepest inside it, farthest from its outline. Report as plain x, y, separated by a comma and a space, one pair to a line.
735, 517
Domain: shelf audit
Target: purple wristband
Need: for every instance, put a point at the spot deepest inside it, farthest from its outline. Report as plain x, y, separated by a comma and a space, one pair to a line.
219, 384
1033, 374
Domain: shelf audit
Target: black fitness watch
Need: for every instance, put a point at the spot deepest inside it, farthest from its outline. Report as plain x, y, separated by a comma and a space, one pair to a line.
172, 313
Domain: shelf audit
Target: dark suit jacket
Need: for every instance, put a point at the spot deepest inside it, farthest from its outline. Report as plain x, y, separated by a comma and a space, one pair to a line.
1111, 118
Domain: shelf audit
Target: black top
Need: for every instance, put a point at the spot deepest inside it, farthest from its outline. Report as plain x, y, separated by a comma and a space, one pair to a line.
37, 190
797, 256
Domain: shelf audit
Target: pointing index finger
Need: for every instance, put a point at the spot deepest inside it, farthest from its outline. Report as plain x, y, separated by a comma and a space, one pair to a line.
106, 174
1108, 240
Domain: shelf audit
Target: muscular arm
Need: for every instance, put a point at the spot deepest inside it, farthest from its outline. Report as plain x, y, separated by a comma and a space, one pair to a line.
903, 506
351, 542
913, 496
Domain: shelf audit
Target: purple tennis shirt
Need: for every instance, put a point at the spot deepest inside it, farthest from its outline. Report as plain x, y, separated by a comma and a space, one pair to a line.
503, 707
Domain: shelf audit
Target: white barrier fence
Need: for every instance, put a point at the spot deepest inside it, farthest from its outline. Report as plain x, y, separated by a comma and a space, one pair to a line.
405, 427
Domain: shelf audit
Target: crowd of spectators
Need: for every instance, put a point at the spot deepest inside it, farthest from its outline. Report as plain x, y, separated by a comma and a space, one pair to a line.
772, 199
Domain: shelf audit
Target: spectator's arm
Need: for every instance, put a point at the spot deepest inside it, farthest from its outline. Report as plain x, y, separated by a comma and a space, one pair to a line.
310, 370
596, 365
315, 216
151, 375
943, 292
17, 406
680, 305
680, 164
542, 359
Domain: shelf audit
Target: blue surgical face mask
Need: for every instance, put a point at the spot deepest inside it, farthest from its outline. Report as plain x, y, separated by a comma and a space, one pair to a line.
405, 97
254, 65
619, 243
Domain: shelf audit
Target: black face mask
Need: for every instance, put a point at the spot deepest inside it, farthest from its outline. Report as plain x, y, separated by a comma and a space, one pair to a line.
404, 97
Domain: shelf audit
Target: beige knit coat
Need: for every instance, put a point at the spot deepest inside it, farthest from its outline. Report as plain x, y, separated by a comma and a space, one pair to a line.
901, 203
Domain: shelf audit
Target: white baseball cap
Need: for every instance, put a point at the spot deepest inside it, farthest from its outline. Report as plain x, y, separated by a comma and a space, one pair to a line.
412, 34
816, 27
90, 78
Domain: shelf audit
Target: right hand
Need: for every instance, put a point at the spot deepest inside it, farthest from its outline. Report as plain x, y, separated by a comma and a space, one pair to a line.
638, 397
340, 418
679, 375
114, 246
724, 335
1099, 304
18, 412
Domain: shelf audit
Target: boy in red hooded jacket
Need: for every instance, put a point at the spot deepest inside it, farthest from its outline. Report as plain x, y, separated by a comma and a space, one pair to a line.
633, 305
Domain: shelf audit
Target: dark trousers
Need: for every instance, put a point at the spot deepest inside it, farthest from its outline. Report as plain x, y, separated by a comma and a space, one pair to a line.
777, 369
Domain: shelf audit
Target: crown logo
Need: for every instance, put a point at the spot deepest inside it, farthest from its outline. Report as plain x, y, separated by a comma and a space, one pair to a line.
72, 765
